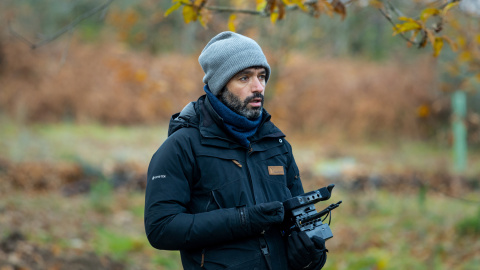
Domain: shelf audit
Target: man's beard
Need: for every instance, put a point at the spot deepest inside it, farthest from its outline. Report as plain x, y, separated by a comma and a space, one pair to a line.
236, 105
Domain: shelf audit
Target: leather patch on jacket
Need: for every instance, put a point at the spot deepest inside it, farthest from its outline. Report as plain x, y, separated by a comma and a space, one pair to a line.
275, 170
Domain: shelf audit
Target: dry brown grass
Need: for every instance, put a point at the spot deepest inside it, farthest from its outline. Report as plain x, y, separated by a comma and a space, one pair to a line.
109, 84
355, 97
96, 83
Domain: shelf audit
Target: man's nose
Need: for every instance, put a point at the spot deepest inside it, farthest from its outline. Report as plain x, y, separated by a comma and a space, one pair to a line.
257, 86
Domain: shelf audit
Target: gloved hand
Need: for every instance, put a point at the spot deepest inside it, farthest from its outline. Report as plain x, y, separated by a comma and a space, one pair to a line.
306, 253
258, 218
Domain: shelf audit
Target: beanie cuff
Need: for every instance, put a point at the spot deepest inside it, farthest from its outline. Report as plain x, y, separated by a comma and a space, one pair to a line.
234, 64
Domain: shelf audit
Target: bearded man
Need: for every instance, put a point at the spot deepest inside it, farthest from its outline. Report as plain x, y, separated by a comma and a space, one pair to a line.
215, 186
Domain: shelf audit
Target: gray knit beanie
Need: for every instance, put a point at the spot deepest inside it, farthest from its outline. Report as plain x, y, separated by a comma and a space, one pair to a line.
227, 54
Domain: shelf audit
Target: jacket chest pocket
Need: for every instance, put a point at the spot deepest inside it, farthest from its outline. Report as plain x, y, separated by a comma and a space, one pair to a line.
272, 168
224, 177
274, 164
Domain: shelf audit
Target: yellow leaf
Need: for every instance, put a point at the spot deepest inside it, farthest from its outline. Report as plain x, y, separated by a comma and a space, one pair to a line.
261, 5
231, 22
300, 4
274, 17
202, 21
478, 38
437, 46
465, 56
288, 2
428, 12
173, 8
189, 14
423, 111
376, 3
382, 263
448, 7
403, 18
198, 2
406, 26
461, 41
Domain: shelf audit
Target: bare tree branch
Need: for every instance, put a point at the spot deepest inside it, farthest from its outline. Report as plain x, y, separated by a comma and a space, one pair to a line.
389, 19
394, 9
20, 37
399, 14
244, 11
447, 3
63, 30
234, 10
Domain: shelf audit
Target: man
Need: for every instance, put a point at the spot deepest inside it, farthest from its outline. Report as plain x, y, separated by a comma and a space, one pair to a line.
215, 186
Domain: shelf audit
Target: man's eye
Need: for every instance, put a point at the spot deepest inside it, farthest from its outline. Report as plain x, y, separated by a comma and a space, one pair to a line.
262, 77
244, 78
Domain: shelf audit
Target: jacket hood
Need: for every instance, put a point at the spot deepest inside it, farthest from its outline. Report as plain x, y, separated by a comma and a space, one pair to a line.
182, 119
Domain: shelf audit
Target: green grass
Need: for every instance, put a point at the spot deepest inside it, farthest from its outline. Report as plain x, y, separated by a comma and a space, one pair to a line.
375, 230
101, 197
90, 143
117, 244
372, 230
380, 156
387, 231
103, 145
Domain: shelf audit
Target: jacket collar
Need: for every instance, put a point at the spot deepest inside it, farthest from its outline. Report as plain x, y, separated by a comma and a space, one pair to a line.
211, 127
202, 116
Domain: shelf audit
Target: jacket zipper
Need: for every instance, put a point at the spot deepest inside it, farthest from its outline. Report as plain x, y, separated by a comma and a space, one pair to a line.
263, 242
249, 152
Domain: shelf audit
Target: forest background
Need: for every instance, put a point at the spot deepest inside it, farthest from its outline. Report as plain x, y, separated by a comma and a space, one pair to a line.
81, 116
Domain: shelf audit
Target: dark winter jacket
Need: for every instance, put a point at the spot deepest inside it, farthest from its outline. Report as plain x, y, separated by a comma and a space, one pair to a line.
200, 176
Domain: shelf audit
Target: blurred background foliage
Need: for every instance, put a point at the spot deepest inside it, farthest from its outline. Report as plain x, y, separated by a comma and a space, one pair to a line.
81, 116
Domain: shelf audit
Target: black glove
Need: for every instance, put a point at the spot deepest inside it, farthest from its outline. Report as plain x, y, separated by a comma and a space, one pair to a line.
258, 218
306, 253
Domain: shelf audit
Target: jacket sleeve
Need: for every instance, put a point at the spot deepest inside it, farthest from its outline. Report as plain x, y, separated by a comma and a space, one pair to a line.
294, 183
168, 224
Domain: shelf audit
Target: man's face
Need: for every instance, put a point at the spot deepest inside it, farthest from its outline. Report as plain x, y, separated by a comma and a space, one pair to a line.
244, 92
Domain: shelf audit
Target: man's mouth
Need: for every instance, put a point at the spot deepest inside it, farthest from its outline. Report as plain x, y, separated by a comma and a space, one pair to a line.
256, 102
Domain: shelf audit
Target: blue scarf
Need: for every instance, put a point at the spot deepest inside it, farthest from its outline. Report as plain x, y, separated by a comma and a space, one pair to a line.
237, 125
